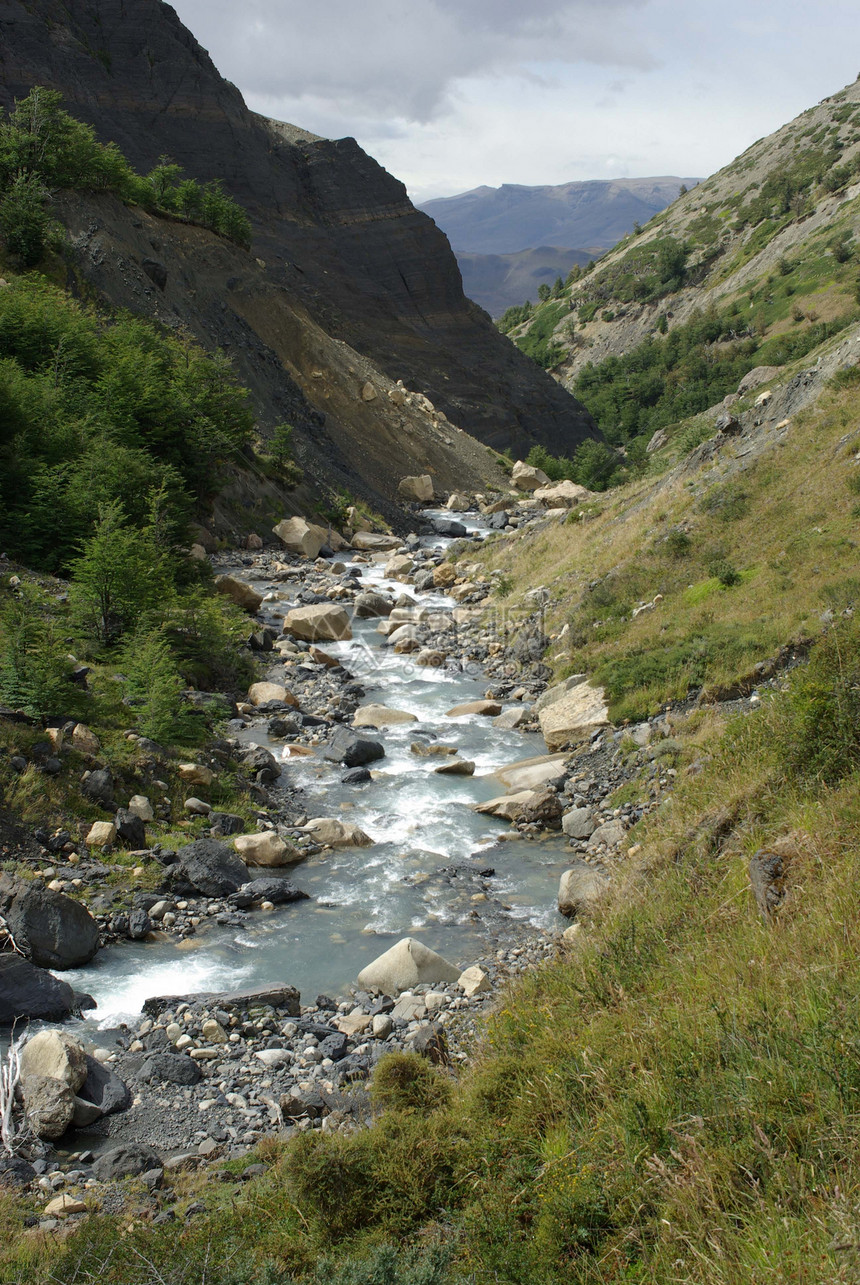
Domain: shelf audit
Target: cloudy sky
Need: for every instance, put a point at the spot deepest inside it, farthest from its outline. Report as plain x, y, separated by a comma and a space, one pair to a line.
452, 94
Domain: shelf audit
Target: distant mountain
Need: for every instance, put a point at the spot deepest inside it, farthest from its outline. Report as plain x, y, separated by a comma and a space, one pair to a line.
507, 220
499, 281
590, 216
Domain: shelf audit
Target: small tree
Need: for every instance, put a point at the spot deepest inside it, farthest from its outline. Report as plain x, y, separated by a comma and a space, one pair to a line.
34, 670
544, 292
120, 575
24, 221
154, 687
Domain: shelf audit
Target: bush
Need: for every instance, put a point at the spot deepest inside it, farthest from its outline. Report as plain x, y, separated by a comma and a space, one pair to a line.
119, 577
407, 1082
154, 689
34, 667
818, 720
385, 1266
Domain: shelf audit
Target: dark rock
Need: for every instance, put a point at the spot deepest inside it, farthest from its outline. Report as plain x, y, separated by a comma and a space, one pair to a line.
156, 272
15, 1172
356, 776
104, 1088
431, 1043
226, 822
768, 874
334, 1046
99, 786
728, 425
306, 1103
175, 1068
449, 527
498, 521
130, 830
27, 991
139, 924
544, 809
208, 866
128, 1160
49, 928
279, 891
261, 764
280, 997
282, 727
347, 747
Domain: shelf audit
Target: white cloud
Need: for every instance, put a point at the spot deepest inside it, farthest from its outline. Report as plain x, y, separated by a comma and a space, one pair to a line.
452, 94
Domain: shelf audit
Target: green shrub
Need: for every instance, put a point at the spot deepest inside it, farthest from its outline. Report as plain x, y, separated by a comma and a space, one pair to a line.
818, 720
154, 689
385, 1266
407, 1082
34, 665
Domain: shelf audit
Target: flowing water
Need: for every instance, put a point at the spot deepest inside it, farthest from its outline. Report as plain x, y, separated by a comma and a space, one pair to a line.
364, 899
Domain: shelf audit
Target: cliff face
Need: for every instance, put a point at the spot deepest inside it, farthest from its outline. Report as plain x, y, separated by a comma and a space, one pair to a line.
338, 247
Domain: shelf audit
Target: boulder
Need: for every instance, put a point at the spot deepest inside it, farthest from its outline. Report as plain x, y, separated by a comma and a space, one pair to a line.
449, 527
543, 808
15, 1173
399, 567
416, 488
104, 1089
373, 542
563, 495
444, 576
578, 823
474, 981
458, 502
580, 888
337, 834
30, 992
608, 835
574, 716
170, 1068
408, 963
279, 996
101, 834
48, 928
209, 867
98, 786
531, 773
240, 592
555, 693
322, 621
526, 477
261, 763
301, 537
85, 741
371, 604
507, 807
130, 829
487, 709
63, 1205
266, 849
49, 1105
128, 1160
278, 891
381, 716
262, 693
456, 767
55, 1055
351, 750
195, 774
513, 717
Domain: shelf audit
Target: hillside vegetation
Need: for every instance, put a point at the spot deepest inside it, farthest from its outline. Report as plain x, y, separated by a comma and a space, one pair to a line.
753, 267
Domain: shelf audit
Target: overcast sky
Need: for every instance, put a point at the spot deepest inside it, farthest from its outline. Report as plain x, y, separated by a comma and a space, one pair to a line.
452, 94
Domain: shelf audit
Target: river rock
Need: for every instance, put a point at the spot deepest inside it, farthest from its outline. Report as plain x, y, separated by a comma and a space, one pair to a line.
563, 495
266, 849
458, 502
278, 891
580, 888
578, 823
487, 709
381, 716
321, 621
104, 1089
27, 991
408, 963
507, 807
172, 1068
609, 835
474, 981
15, 1173
209, 867
531, 773
449, 527
351, 750
371, 604
456, 767
241, 593
49, 1105
56, 1055
574, 717
49, 928
301, 537
372, 542
128, 1160
557, 691
416, 488
514, 717
262, 693
526, 477
399, 567
543, 809
336, 834
444, 576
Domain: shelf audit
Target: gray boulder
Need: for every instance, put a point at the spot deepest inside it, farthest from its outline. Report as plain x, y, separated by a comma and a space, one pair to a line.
578, 823
449, 527
174, 1068
130, 829
351, 750
27, 991
209, 867
104, 1089
580, 888
128, 1160
49, 928
370, 604
49, 1105
15, 1173
99, 786
278, 891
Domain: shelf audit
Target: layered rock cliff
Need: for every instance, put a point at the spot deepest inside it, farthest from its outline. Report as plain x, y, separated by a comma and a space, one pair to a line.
345, 283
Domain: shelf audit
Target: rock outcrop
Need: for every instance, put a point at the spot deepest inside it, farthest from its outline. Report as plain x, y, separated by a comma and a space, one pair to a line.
347, 286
